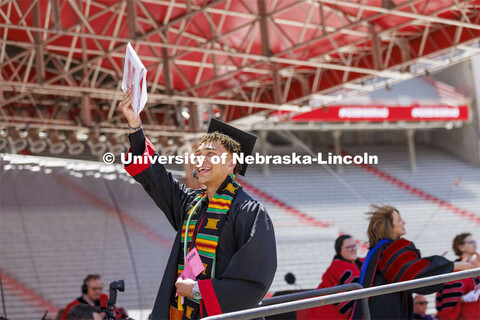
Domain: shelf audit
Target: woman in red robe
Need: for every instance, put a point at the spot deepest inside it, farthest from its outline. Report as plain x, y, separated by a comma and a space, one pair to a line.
393, 259
345, 268
461, 299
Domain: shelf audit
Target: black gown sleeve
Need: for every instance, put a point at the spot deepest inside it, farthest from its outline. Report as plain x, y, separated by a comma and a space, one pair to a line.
169, 195
137, 142
250, 272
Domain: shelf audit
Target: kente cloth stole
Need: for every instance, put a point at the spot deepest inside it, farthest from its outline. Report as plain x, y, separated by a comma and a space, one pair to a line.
206, 239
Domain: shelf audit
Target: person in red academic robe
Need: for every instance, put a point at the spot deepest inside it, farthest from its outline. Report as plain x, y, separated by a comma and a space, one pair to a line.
345, 268
461, 299
392, 259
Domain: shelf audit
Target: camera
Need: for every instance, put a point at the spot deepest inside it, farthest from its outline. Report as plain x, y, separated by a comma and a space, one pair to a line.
118, 285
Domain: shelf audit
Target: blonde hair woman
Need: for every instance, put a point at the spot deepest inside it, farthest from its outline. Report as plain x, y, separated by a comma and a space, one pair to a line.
394, 259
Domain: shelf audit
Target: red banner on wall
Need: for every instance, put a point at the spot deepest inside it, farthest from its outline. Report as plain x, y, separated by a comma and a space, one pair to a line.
379, 113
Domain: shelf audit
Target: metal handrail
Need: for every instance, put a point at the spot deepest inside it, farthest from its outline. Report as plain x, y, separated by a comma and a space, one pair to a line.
319, 292
346, 296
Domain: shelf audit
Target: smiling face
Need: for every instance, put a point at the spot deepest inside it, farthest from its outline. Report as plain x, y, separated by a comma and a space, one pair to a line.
469, 246
349, 250
211, 173
398, 225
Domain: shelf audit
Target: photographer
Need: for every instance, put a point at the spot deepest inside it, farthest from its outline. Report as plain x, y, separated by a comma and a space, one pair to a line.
92, 295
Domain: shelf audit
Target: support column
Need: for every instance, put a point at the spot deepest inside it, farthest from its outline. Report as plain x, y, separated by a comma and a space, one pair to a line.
166, 72
411, 149
56, 16
377, 54
132, 19
263, 151
86, 113
39, 59
277, 90
193, 110
338, 149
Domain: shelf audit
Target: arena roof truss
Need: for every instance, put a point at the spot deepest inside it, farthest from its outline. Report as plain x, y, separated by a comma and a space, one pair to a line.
62, 60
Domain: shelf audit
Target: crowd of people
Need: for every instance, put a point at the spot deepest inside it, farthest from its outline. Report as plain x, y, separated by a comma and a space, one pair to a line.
224, 255
392, 259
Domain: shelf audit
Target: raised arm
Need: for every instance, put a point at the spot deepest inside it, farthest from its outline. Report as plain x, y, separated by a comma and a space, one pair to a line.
169, 195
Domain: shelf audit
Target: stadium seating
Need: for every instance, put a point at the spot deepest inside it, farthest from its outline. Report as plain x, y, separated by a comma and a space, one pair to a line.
60, 223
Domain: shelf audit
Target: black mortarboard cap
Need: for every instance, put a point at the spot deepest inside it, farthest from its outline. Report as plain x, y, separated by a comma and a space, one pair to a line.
246, 140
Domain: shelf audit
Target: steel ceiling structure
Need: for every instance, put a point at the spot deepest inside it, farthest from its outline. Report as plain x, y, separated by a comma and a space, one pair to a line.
62, 60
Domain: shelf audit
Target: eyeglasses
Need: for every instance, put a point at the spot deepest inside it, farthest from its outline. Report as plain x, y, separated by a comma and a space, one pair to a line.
470, 242
352, 247
97, 288
421, 302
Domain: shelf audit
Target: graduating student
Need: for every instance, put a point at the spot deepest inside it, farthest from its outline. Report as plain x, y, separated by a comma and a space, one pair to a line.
394, 259
345, 268
232, 232
460, 299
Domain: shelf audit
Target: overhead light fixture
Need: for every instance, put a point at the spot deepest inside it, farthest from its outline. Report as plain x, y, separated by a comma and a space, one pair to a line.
23, 133
56, 146
3, 143
185, 149
16, 142
166, 146
114, 145
75, 147
169, 150
185, 113
3, 140
96, 146
159, 147
216, 112
37, 144
82, 136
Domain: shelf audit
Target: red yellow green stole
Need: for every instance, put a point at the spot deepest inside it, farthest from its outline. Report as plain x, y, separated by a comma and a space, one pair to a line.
208, 233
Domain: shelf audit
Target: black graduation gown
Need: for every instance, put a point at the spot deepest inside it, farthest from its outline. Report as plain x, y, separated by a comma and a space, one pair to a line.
397, 261
246, 258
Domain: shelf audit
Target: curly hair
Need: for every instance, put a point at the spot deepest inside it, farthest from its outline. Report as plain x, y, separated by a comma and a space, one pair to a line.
231, 145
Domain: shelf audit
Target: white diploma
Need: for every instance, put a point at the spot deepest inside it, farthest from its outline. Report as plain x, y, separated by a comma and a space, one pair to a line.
135, 79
